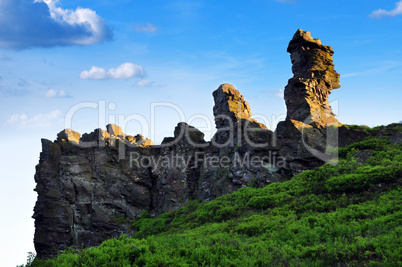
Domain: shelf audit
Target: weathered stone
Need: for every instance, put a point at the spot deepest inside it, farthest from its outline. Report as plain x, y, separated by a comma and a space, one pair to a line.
115, 130
230, 105
112, 137
296, 145
229, 102
81, 198
142, 141
70, 136
306, 94
310, 130
94, 138
187, 134
232, 116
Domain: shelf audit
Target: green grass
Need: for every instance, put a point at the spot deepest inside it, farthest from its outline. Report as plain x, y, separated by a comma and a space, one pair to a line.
344, 215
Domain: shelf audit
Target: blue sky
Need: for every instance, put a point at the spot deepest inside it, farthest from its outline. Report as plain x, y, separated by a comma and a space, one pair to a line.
125, 55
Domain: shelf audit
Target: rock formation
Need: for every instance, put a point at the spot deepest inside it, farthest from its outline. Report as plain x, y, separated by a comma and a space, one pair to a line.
91, 187
230, 105
84, 195
69, 136
114, 130
306, 94
306, 134
232, 116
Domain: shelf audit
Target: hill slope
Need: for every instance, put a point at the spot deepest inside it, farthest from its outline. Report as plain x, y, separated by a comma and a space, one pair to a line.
347, 214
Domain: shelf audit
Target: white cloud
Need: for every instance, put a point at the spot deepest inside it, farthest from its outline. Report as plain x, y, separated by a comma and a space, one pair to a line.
94, 73
25, 24
384, 13
124, 71
56, 94
147, 28
37, 121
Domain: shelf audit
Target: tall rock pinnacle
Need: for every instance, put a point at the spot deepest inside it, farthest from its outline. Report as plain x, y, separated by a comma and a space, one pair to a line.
306, 94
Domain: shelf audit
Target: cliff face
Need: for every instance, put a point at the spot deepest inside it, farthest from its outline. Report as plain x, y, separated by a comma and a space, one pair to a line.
85, 193
90, 187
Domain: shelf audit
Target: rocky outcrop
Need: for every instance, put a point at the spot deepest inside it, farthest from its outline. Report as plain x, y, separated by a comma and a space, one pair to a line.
91, 187
69, 136
85, 193
310, 130
110, 137
232, 116
114, 130
230, 106
306, 94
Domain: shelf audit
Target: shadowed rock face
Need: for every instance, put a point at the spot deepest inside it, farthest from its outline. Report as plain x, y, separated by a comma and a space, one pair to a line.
85, 193
306, 94
91, 188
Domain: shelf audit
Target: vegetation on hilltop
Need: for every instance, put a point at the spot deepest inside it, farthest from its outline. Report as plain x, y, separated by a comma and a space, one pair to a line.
344, 214
390, 127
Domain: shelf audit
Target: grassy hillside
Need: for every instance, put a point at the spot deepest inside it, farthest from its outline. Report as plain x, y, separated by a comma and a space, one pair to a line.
348, 214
